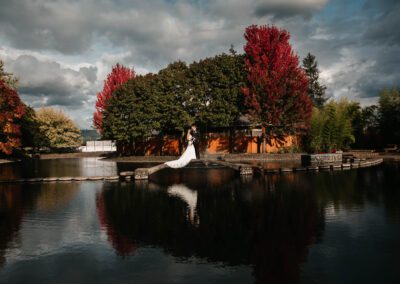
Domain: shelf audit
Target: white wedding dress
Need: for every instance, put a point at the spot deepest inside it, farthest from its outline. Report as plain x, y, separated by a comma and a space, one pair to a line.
187, 156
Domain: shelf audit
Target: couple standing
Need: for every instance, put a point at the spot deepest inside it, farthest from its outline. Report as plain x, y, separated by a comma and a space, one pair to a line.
192, 150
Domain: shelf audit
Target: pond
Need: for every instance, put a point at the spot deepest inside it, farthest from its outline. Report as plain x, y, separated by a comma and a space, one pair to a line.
199, 225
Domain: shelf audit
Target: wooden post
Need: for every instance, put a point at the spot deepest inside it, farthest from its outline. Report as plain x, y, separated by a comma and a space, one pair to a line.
264, 142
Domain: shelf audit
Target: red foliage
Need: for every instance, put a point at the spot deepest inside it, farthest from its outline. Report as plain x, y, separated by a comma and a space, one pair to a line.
11, 110
119, 75
121, 243
276, 90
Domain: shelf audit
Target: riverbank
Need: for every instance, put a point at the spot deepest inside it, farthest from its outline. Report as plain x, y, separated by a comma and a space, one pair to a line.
6, 161
272, 157
226, 157
72, 155
390, 157
258, 158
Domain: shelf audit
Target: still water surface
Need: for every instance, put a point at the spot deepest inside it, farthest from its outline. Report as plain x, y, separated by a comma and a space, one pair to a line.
199, 225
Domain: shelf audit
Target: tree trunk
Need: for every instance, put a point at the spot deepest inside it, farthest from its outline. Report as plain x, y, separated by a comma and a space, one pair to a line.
181, 142
232, 140
264, 139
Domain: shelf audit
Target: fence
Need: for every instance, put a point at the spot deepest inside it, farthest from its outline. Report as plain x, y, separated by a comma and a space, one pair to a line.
99, 146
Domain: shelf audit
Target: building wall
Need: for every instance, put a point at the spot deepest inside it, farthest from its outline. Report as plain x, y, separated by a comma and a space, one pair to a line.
212, 143
218, 143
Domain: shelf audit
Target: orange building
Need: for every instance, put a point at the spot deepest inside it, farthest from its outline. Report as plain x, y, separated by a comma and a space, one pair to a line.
222, 142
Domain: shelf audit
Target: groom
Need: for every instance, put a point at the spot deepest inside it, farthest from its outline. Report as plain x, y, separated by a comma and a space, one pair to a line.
196, 142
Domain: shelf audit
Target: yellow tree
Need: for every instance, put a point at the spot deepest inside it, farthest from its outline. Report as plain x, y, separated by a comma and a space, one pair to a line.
57, 129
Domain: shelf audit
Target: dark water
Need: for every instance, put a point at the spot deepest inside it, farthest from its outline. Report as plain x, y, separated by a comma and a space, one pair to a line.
200, 226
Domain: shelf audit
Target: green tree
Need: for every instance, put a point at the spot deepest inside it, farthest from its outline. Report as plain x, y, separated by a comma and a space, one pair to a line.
316, 90
172, 89
365, 126
389, 112
30, 129
58, 129
215, 83
330, 127
132, 113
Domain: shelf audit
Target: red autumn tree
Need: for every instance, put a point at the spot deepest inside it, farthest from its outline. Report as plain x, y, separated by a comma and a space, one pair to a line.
276, 89
11, 111
119, 75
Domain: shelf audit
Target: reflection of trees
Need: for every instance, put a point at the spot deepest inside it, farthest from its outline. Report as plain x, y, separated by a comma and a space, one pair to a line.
10, 216
388, 180
356, 188
55, 195
121, 243
239, 223
15, 199
7, 171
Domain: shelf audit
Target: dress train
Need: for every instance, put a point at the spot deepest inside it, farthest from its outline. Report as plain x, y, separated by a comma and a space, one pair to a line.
184, 160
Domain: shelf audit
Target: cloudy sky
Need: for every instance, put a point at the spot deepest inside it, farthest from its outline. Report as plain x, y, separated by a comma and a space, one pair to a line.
61, 50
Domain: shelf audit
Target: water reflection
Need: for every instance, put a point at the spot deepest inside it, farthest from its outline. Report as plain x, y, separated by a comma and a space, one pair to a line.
16, 200
189, 196
11, 211
235, 225
52, 196
58, 168
289, 228
121, 243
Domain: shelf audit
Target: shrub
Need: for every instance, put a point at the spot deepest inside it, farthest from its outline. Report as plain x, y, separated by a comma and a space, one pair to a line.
57, 129
330, 128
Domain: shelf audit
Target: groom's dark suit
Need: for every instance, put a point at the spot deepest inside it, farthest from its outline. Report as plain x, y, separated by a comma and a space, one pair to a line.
196, 142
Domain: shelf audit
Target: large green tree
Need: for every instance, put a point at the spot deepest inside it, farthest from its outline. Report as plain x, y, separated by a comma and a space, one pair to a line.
316, 90
173, 97
331, 127
389, 111
365, 125
119, 75
30, 129
215, 84
132, 113
206, 92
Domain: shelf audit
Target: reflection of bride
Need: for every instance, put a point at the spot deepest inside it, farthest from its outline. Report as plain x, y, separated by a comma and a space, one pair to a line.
187, 156
189, 196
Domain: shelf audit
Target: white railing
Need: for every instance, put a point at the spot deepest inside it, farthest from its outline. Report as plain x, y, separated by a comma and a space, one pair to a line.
99, 146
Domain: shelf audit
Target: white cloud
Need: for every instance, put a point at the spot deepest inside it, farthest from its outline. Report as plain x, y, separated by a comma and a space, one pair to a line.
70, 46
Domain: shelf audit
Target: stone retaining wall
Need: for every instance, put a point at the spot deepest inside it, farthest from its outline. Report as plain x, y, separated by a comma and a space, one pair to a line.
263, 157
363, 154
316, 159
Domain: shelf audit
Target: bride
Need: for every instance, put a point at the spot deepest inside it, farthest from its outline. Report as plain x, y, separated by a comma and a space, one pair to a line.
187, 156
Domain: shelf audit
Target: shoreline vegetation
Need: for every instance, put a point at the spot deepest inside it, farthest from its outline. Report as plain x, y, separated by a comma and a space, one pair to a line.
267, 157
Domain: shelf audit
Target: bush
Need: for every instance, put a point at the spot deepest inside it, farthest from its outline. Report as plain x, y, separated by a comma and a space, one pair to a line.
389, 112
330, 128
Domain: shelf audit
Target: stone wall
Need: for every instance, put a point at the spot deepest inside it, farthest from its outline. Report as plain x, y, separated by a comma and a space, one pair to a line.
263, 157
363, 154
316, 159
